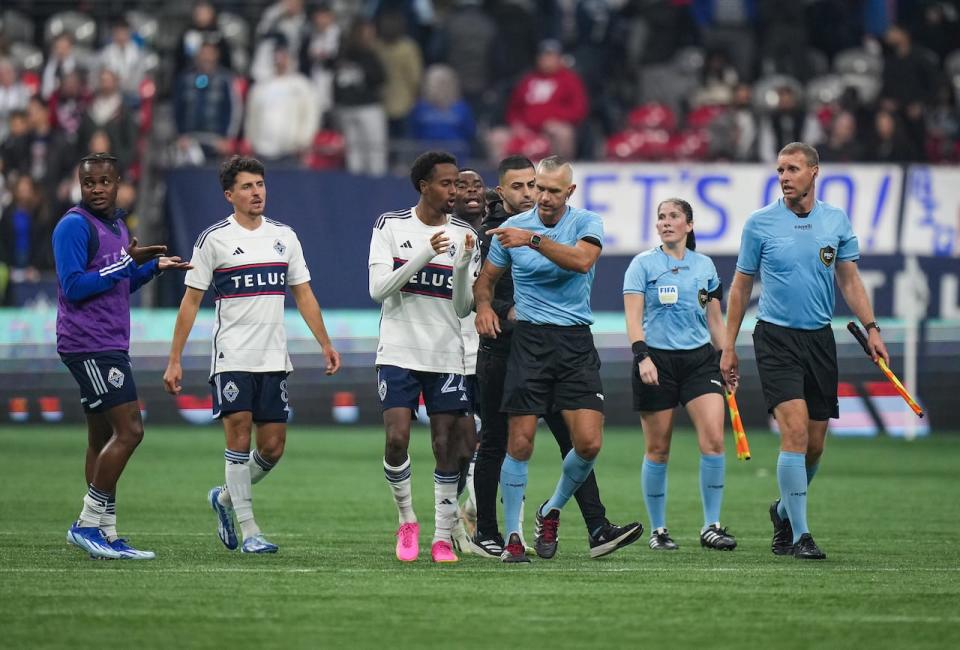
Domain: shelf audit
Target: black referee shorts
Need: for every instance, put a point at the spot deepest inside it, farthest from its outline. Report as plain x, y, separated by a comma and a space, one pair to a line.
798, 364
552, 368
683, 376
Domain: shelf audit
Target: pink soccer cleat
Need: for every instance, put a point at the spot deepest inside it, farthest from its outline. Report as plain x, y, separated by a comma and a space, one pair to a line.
442, 552
408, 542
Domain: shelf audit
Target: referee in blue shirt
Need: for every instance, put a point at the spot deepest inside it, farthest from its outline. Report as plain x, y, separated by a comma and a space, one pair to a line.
553, 366
797, 246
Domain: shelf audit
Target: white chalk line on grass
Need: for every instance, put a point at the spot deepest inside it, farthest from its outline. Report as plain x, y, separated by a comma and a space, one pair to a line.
147, 566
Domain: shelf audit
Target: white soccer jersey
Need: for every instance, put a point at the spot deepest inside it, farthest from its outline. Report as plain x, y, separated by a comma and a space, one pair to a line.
250, 271
419, 329
471, 343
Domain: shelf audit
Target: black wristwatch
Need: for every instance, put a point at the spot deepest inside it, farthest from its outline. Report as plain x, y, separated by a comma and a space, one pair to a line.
535, 242
872, 325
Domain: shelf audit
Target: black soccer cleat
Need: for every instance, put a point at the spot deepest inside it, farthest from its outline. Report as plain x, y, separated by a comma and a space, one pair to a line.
807, 549
490, 546
609, 537
660, 540
782, 532
514, 552
717, 538
545, 534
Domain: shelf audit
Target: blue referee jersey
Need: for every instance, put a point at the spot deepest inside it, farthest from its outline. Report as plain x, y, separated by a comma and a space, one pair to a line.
796, 258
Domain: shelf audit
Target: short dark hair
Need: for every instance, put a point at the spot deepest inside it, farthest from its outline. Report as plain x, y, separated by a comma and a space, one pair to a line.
510, 163
811, 155
100, 158
423, 166
687, 210
230, 168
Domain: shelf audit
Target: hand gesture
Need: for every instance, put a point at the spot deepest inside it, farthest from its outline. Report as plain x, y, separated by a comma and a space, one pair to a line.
173, 264
469, 242
648, 372
487, 322
143, 254
171, 378
511, 237
333, 359
439, 242
730, 369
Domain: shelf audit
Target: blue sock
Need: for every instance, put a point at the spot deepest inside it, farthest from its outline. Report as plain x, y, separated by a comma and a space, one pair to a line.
792, 479
711, 487
513, 483
811, 472
653, 478
575, 472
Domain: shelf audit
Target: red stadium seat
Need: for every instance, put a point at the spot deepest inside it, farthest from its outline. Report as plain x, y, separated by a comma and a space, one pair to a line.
652, 115
703, 116
689, 145
327, 151
532, 145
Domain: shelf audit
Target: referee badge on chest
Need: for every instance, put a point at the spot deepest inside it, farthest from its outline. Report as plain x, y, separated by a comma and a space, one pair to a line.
279, 247
702, 297
827, 255
668, 294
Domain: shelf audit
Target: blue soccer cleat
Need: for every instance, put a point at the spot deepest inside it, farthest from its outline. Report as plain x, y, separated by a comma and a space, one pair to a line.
257, 544
225, 528
127, 552
91, 540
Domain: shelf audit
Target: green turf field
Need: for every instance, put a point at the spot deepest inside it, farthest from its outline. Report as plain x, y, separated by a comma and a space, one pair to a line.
885, 511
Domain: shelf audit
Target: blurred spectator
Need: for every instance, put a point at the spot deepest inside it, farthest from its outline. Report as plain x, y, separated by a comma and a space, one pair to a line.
26, 229
357, 90
42, 152
943, 127
549, 100
206, 108
14, 95
787, 122
464, 42
515, 50
60, 61
909, 81
419, 17
68, 104
15, 147
126, 59
285, 19
745, 123
442, 117
320, 47
784, 46
718, 80
937, 26
728, 25
109, 114
842, 144
890, 142
203, 28
282, 112
403, 65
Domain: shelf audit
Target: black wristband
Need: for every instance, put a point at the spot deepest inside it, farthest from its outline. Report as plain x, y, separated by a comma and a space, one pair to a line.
640, 350
872, 325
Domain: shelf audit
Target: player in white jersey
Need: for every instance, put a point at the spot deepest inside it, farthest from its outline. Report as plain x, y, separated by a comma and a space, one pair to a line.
250, 261
421, 346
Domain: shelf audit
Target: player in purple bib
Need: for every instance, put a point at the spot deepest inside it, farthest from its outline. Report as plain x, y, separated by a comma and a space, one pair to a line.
98, 267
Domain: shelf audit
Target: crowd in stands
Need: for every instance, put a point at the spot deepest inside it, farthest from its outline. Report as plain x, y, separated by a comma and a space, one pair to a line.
365, 85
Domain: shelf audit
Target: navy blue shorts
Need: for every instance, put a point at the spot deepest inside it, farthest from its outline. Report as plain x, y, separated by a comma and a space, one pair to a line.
262, 393
442, 392
105, 378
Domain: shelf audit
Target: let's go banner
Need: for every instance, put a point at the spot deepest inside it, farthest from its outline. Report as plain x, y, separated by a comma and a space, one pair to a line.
724, 196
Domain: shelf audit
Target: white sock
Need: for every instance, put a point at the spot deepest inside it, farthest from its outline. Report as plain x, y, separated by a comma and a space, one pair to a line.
399, 480
259, 467
471, 492
108, 523
238, 484
445, 504
94, 505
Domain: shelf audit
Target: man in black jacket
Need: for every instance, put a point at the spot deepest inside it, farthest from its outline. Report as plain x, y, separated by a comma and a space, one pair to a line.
517, 190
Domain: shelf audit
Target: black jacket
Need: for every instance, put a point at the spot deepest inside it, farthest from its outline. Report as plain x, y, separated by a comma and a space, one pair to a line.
503, 291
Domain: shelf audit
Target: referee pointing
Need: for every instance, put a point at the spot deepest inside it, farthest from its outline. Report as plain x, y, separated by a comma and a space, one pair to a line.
553, 365
797, 246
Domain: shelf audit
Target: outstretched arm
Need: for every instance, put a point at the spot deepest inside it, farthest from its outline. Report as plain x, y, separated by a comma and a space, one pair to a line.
579, 258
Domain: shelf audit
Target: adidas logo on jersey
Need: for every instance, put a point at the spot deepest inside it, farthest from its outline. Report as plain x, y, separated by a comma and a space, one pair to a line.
239, 251
406, 244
